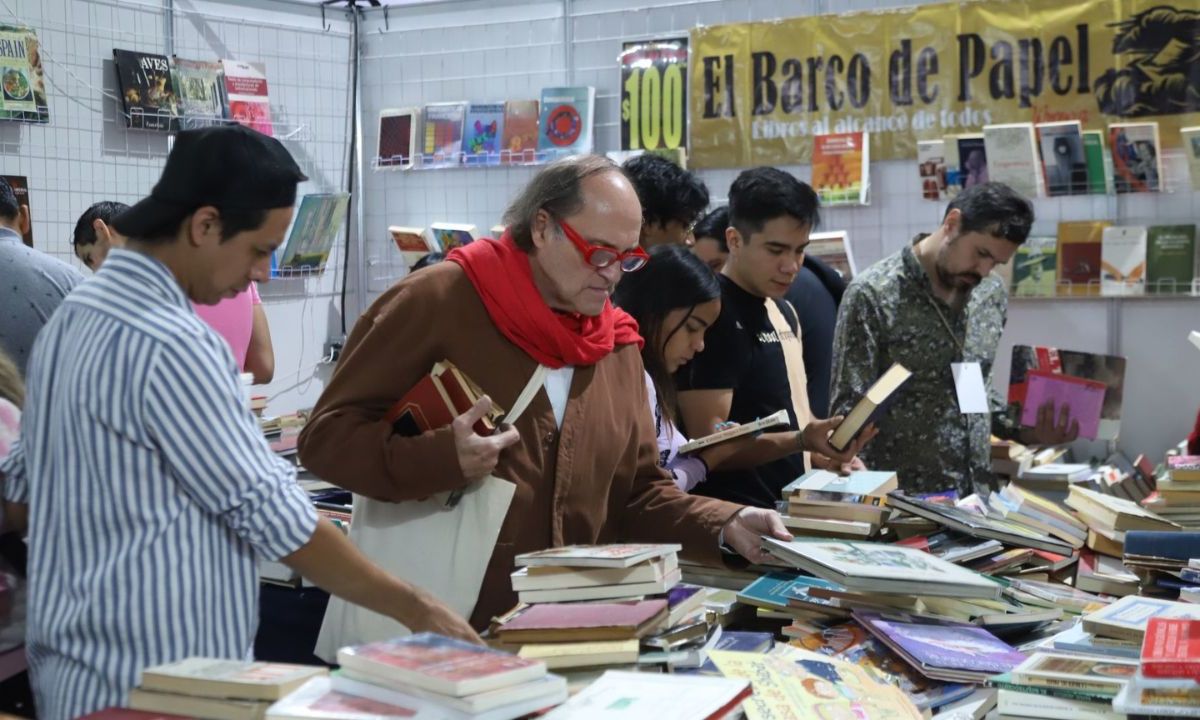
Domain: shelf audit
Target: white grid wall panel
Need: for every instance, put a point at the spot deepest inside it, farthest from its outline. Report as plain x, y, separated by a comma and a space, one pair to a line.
86, 153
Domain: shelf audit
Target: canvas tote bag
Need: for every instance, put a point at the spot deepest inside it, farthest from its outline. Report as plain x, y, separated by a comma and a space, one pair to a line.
443, 550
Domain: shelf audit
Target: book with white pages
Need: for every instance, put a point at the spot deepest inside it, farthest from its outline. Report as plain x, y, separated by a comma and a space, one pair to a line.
616, 555
558, 577
737, 431
500, 704
601, 592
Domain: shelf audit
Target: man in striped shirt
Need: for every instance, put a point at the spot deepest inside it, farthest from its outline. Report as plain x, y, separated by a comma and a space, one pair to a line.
151, 490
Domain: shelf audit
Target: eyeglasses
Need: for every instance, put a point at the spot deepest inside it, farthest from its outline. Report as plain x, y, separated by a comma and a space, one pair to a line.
600, 256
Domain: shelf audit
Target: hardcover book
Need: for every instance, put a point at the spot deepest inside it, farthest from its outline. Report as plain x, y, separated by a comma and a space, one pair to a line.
785, 591
1079, 254
314, 231
1171, 649
520, 132
22, 80
147, 90
873, 567
1170, 258
568, 622
483, 134
1013, 157
931, 168
840, 168
936, 647
437, 398
1064, 159
398, 138
200, 85
246, 90
870, 407
1123, 260
442, 131
607, 556
1035, 267
565, 126
1137, 160
441, 664
1100, 676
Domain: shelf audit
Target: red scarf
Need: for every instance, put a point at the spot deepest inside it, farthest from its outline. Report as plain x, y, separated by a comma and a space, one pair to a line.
500, 272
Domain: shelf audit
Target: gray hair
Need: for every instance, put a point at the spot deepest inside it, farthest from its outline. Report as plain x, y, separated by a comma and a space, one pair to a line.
557, 189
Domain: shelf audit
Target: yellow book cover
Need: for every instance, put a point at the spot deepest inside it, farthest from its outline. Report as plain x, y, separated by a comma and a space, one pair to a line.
794, 684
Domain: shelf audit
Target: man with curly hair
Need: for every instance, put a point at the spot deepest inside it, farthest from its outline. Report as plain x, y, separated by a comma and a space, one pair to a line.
672, 199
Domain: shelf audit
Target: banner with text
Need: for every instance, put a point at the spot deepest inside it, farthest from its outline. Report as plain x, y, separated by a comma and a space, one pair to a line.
760, 91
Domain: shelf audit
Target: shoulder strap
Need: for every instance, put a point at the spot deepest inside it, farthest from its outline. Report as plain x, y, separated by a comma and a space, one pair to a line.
793, 317
531, 389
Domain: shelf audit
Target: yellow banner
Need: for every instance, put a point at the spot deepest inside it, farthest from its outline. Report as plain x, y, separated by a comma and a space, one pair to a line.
760, 91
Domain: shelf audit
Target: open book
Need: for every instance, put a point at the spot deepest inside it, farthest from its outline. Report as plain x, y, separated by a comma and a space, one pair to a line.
870, 407
778, 418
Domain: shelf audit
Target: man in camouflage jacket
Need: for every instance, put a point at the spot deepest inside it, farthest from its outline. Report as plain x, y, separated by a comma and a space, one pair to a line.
932, 304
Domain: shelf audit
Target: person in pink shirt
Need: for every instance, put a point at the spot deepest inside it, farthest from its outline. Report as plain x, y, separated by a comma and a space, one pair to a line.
241, 320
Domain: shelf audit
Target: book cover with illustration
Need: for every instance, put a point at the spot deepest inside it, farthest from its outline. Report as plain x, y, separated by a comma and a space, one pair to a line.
1099, 163
1035, 267
1106, 369
973, 160
483, 134
519, 139
1013, 157
565, 125
246, 91
200, 85
1064, 160
22, 79
931, 168
945, 645
1123, 260
147, 90
314, 231
412, 242
1079, 250
397, 138
833, 248
442, 134
1170, 258
448, 236
20, 188
1136, 156
840, 168
1191, 151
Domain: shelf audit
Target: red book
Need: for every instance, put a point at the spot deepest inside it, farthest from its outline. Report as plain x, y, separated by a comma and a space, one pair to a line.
1171, 649
439, 397
583, 622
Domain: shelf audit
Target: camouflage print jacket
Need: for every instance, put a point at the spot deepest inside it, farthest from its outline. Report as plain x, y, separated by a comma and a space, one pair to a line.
888, 315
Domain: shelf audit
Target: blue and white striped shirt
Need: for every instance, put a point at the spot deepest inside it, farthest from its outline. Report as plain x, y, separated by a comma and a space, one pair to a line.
151, 491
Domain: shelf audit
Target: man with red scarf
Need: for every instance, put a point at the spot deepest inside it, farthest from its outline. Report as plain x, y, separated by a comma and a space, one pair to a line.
583, 456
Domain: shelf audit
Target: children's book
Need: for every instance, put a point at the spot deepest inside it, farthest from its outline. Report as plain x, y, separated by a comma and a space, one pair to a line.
483, 134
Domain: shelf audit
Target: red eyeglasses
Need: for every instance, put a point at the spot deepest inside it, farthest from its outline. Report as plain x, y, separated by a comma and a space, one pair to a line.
600, 256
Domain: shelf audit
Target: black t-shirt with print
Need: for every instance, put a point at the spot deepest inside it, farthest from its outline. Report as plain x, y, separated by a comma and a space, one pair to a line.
742, 352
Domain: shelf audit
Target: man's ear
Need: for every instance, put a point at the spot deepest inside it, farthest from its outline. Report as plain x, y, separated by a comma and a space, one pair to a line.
952, 222
204, 226
539, 229
733, 239
23, 220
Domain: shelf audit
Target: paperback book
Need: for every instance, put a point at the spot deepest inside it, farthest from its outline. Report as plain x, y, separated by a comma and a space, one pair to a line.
519, 133
833, 248
1035, 267
442, 132
1080, 246
201, 88
316, 227
398, 137
1106, 369
840, 168
1123, 260
147, 90
565, 126
22, 80
1013, 157
483, 134
1063, 157
246, 91
1137, 160
448, 236
931, 168
1170, 258
946, 651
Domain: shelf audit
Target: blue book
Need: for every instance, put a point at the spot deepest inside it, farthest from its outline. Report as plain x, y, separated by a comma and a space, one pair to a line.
483, 133
1180, 546
783, 590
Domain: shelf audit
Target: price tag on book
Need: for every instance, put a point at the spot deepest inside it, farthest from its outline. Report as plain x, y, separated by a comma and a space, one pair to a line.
968, 383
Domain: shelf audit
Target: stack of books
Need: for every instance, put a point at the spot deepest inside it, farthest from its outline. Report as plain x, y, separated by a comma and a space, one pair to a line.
619, 694
1177, 497
1160, 560
596, 572
1167, 681
825, 504
1108, 519
1063, 686
213, 688
428, 673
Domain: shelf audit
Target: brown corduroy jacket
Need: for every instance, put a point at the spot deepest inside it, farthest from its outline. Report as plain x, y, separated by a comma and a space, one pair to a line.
594, 480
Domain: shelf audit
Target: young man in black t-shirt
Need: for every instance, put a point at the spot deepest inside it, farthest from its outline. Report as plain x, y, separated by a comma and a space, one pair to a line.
753, 361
